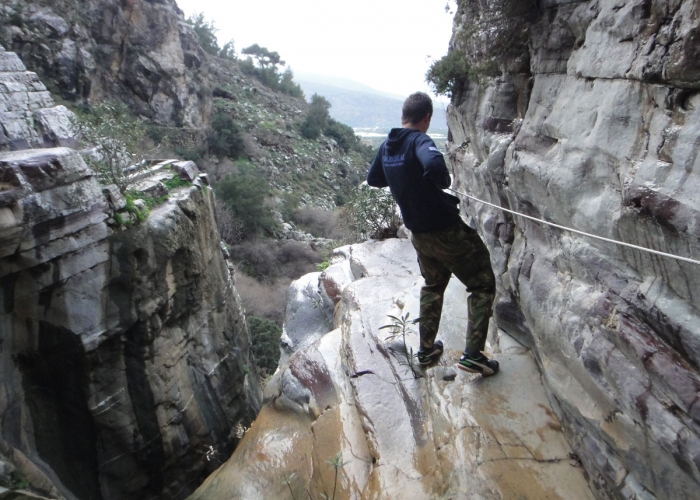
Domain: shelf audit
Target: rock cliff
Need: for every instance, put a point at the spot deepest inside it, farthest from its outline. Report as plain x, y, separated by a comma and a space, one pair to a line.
124, 352
140, 52
592, 122
582, 113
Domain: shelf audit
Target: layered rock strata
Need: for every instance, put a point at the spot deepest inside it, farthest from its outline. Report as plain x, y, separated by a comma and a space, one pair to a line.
28, 116
350, 396
125, 360
595, 126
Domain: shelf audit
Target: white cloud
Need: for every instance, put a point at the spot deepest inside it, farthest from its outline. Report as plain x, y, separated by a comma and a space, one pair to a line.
385, 44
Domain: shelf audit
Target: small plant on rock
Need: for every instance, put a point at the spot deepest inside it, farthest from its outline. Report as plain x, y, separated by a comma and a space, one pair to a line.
399, 327
337, 463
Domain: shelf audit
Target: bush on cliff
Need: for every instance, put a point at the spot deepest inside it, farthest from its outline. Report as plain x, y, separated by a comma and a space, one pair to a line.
206, 32
115, 141
448, 74
498, 34
265, 343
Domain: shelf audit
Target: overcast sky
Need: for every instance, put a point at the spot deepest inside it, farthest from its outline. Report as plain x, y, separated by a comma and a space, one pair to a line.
386, 44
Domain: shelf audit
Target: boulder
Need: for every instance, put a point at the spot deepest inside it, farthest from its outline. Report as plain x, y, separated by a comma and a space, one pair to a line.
348, 396
187, 170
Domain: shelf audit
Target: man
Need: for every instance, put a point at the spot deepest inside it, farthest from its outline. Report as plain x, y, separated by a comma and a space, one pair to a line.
415, 171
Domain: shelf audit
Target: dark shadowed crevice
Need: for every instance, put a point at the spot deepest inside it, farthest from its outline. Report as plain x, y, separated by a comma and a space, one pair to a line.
54, 382
150, 453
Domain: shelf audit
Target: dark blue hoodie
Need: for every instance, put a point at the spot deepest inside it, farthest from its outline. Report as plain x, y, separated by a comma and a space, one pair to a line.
415, 171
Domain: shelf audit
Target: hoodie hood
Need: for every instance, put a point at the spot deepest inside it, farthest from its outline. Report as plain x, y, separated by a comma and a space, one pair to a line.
396, 138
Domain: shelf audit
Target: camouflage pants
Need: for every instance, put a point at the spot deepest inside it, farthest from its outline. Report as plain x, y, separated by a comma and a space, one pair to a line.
456, 250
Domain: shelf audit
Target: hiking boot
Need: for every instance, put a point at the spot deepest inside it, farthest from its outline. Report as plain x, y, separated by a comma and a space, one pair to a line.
428, 356
481, 364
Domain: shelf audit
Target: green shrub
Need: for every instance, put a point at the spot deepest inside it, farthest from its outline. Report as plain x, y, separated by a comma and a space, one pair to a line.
499, 32
288, 85
245, 194
290, 204
317, 117
265, 339
448, 74
176, 182
371, 213
225, 137
267, 70
206, 32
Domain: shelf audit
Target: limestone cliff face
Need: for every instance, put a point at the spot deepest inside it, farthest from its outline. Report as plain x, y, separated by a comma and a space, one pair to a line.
139, 51
593, 123
124, 352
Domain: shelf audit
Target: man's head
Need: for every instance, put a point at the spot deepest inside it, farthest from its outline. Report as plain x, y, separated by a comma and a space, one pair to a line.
417, 111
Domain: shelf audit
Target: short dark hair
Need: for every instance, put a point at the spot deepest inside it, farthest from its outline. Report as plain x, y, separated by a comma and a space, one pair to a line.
415, 107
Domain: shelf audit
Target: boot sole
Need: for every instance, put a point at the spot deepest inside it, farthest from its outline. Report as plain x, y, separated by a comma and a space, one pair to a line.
433, 356
485, 370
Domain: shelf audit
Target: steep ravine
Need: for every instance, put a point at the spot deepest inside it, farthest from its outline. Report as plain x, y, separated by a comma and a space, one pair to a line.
586, 114
599, 132
125, 361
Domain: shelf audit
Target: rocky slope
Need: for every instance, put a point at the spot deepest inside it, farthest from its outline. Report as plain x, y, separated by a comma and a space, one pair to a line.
594, 125
139, 52
145, 54
444, 435
124, 352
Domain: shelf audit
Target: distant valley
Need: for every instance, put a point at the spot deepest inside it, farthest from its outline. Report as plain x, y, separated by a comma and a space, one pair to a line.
363, 107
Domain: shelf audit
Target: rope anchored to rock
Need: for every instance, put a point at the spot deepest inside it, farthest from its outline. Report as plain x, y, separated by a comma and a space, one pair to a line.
589, 235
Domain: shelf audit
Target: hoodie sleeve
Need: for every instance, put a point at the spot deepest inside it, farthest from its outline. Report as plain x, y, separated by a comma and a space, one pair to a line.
434, 168
375, 175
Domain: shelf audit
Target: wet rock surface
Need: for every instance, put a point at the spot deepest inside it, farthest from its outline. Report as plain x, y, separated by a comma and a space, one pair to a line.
448, 434
602, 137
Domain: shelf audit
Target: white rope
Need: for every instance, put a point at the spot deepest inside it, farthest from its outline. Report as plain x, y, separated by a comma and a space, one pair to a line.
636, 247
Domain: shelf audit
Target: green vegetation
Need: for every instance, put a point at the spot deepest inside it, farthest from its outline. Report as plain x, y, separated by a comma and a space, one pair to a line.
225, 137
116, 138
448, 74
398, 328
267, 70
371, 213
16, 480
176, 182
336, 462
141, 215
317, 117
318, 120
500, 32
245, 194
206, 32
265, 343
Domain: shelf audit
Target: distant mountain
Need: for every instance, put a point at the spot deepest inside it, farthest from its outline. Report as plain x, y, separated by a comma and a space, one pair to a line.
359, 105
